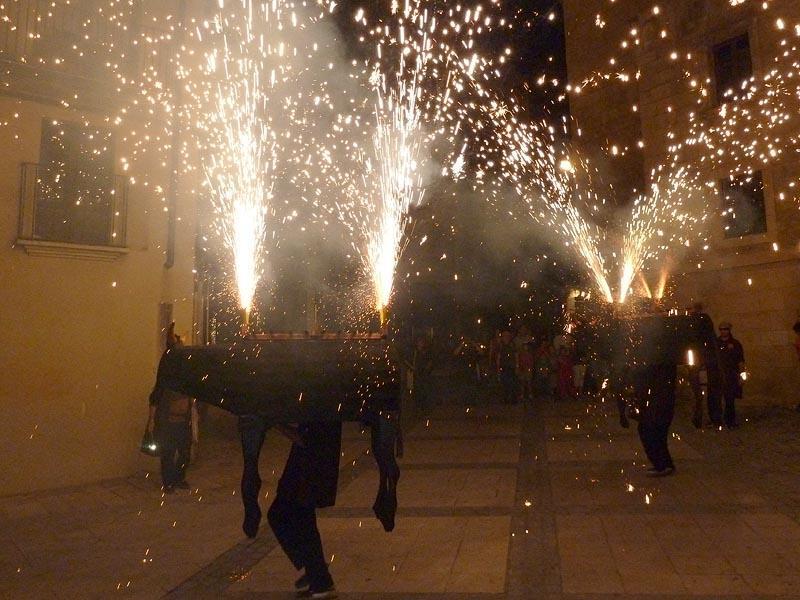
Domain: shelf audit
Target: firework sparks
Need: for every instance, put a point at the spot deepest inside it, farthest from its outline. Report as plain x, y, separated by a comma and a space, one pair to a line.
240, 164
553, 188
650, 230
411, 80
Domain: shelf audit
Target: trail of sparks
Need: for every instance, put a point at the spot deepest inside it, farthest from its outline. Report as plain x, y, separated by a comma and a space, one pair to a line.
241, 166
413, 79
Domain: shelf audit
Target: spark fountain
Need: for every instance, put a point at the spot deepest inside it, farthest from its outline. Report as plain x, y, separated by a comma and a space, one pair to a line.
552, 188
240, 164
402, 112
412, 81
670, 215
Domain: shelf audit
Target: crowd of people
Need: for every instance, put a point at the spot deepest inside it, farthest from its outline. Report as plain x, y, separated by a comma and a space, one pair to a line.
591, 358
526, 366
635, 360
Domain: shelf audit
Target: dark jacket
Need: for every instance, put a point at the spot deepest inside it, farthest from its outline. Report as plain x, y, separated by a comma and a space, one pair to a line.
311, 474
656, 341
731, 354
703, 339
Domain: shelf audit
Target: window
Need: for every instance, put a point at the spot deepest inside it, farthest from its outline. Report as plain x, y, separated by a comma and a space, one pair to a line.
732, 65
743, 209
73, 193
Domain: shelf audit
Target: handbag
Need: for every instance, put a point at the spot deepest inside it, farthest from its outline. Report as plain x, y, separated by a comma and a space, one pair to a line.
149, 444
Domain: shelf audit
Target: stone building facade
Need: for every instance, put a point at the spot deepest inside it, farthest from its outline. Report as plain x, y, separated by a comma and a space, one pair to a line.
94, 264
637, 70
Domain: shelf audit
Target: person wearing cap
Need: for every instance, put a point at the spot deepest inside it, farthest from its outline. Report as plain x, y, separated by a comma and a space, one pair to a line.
732, 369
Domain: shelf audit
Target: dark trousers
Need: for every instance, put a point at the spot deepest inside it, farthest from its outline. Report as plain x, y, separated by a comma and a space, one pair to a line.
714, 391
252, 429
175, 440
731, 391
295, 527
508, 379
422, 391
655, 396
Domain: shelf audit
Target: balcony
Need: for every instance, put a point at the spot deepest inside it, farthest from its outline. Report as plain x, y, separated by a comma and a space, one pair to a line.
70, 214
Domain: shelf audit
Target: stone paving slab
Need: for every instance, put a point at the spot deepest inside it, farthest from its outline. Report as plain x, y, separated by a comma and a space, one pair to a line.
706, 554
622, 486
457, 488
613, 449
480, 427
466, 452
423, 555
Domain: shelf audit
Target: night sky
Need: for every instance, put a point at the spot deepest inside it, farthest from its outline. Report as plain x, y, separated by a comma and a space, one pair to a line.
537, 42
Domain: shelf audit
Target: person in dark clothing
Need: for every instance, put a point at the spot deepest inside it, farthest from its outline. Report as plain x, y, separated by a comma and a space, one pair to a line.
656, 358
654, 387
527, 364
732, 370
170, 423
507, 367
615, 347
422, 365
704, 353
309, 481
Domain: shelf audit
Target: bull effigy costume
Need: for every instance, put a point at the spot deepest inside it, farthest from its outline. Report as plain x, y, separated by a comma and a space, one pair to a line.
309, 380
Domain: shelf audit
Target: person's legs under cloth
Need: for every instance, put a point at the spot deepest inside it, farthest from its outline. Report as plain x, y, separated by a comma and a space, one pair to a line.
295, 527
252, 429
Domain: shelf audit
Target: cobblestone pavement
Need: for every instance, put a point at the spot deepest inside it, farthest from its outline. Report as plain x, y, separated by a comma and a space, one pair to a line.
542, 501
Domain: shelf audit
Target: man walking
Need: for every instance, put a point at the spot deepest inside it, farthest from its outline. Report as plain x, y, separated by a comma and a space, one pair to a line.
654, 373
732, 369
308, 482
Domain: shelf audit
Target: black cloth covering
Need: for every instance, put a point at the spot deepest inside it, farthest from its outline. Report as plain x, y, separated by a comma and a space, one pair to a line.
286, 381
311, 474
316, 382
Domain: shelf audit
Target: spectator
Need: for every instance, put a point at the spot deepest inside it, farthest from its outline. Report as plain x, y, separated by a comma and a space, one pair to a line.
170, 423
422, 369
566, 374
732, 369
523, 337
507, 366
544, 369
526, 365
494, 344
